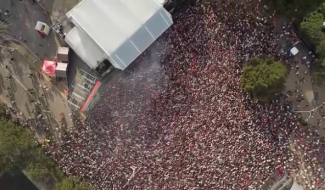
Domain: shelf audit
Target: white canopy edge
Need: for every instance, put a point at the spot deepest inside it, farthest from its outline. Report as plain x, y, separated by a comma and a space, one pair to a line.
123, 29
84, 47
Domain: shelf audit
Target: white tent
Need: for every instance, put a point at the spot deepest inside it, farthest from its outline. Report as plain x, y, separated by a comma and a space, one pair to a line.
295, 186
294, 51
122, 29
84, 47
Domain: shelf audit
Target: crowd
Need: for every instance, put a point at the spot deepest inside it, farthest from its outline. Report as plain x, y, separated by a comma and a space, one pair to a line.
178, 118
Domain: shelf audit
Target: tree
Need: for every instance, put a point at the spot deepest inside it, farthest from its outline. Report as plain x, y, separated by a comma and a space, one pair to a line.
312, 25
319, 78
6, 165
263, 78
294, 8
48, 163
15, 143
37, 171
18, 151
72, 183
320, 49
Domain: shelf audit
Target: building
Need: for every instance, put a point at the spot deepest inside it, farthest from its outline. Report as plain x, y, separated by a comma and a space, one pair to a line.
113, 33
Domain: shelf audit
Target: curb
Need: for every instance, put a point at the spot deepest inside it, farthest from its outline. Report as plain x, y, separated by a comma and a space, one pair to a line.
45, 12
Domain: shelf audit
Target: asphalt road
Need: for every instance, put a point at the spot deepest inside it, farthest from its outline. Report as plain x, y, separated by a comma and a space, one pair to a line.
22, 18
52, 103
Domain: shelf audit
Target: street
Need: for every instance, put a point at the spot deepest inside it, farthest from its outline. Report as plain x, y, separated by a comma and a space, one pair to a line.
26, 89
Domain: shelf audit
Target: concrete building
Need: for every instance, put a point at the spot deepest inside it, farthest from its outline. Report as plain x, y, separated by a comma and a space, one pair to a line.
113, 33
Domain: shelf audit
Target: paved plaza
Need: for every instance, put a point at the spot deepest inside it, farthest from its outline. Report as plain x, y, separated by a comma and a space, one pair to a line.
23, 87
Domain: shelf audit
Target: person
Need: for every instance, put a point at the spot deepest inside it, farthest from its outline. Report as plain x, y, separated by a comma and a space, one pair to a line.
179, 112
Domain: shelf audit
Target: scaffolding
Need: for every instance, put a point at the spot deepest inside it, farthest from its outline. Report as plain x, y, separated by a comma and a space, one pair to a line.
80, 89
278, 181
284, 183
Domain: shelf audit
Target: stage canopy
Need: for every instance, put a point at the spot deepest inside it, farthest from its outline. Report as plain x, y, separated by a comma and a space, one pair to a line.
84, 47
123, 29
49, 67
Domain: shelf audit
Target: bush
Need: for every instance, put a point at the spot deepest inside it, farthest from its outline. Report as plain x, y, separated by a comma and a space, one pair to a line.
37, 171
72, 183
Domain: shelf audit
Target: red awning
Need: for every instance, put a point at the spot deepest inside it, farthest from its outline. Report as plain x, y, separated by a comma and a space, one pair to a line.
49, 67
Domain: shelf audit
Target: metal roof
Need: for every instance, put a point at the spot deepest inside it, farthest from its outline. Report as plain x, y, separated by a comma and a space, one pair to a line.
123, 29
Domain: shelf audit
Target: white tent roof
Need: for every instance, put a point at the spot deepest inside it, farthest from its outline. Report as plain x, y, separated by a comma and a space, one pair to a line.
84, 47
123, 29
295, 186
294, 51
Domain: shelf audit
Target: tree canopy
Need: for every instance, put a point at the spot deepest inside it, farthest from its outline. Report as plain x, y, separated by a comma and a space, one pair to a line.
15, 145
72, 183
18, 151
311, 29
264, 78
37, 171
312, 25
294, 7
319, 78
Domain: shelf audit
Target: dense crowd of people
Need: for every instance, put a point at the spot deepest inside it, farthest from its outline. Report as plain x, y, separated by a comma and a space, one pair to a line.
179, 119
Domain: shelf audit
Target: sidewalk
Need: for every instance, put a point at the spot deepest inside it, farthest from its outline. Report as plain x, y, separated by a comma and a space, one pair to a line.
54, 109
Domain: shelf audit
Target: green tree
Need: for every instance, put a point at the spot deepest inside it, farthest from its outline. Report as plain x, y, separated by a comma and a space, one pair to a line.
51, 166
312, 25
7, 165
72, 183
264, 78
319, 78
37, 171
15, 143
18, 151
294, 8
320, 49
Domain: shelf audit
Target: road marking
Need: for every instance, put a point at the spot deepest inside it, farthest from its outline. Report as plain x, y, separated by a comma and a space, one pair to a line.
17, 80
310, 111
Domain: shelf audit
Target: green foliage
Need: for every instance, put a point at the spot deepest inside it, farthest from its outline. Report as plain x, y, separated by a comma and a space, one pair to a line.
263, 78
18, 151
294, 8
37, 171
15, 143
6, 165
51, 166
319, 78
322, 8
311, 29
320, 49
312, 25
72, 183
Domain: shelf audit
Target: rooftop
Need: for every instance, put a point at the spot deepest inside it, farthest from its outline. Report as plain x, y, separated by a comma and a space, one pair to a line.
123, 29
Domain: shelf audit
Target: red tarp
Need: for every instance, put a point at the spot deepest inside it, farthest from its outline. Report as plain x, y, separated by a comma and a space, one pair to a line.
49, 67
